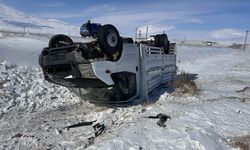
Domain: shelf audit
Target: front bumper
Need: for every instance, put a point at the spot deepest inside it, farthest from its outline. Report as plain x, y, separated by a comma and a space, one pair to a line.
66, 66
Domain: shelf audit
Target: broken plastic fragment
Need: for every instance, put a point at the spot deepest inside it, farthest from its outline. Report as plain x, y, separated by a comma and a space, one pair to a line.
69, 77
99, 128
163, 118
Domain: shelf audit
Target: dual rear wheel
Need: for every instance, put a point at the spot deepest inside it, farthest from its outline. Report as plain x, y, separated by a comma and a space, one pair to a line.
161, 40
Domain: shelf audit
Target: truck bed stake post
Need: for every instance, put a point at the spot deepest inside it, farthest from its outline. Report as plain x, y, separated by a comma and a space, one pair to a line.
146, 34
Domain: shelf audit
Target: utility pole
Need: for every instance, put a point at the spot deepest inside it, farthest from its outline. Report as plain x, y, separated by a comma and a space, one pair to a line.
139, 35
135, 34
245, 43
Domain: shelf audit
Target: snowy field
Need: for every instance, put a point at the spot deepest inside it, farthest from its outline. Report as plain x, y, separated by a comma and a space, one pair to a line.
33, 112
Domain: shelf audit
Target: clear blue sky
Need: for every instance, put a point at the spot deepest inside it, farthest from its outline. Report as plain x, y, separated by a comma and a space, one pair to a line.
194, 17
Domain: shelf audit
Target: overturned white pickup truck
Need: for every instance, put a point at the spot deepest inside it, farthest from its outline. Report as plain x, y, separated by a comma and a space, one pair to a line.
110, 69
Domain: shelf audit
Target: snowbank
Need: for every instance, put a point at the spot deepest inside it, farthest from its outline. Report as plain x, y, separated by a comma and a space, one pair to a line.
24, 88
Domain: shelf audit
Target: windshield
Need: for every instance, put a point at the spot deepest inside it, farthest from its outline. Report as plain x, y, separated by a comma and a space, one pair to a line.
103, 94
123, 89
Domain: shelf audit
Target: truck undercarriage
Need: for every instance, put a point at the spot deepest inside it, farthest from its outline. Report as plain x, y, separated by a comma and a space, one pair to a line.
108, 69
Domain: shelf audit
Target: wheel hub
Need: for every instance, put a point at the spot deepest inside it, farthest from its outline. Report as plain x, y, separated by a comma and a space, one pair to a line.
112, 39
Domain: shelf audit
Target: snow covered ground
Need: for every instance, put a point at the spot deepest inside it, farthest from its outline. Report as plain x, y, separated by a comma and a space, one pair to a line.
25, 50
34, 112
22, 50
18, 21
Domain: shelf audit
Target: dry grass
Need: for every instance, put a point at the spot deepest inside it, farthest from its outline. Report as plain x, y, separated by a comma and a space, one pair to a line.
236, 46
1, 83
242, 142
184, 85
245, 89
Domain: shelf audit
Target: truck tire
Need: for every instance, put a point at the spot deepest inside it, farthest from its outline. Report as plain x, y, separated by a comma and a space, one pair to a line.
164, 43
157, 41
109, 39
127, 40
166, 47
60, 40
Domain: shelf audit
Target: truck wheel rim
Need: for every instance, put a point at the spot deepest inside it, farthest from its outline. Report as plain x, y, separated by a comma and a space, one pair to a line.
112, 39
